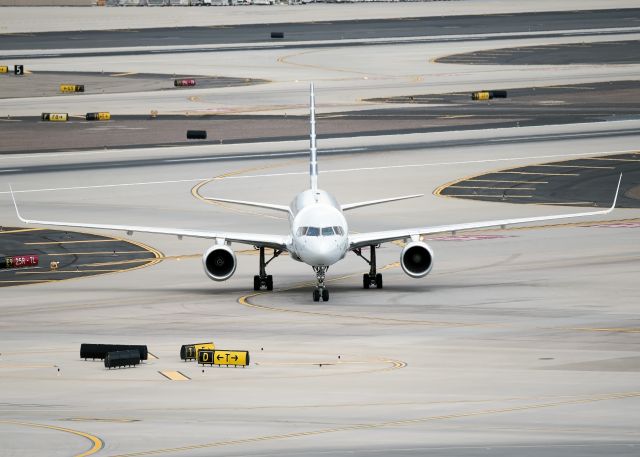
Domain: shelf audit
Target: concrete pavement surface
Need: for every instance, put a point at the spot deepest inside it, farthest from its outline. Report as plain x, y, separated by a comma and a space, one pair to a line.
522, 341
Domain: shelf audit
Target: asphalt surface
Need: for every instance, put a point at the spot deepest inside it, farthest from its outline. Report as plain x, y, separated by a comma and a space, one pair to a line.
588, 182
78, 255
435, 29
392, 28
606, 52
565, 104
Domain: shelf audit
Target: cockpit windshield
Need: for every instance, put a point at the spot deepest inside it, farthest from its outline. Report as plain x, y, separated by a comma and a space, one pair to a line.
317, 231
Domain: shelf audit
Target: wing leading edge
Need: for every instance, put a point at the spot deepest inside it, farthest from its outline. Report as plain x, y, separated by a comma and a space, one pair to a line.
366, 239
255, 239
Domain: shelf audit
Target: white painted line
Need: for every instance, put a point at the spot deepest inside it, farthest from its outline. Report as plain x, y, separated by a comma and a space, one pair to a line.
9, 170
297, 173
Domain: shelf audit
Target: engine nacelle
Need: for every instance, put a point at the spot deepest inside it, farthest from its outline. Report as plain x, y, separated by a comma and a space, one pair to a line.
416, 259
219, 262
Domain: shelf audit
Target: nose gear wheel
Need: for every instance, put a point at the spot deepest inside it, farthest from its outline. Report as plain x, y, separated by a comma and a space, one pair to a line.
320, 291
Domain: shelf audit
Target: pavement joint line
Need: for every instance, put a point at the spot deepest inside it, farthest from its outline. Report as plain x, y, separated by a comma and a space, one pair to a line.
97, 443
385, 424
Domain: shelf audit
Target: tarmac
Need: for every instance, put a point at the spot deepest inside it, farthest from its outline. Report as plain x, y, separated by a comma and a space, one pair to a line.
521, 341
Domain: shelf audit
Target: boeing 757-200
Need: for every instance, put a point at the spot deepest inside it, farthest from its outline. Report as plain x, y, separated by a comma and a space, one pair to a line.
319, 235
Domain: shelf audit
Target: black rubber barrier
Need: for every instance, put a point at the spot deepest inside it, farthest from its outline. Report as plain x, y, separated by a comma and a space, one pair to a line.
100, 351
277, 34
196, 134
116, 359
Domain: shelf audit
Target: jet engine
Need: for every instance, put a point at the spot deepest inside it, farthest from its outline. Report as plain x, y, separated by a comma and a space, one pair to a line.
219, 262
416, 259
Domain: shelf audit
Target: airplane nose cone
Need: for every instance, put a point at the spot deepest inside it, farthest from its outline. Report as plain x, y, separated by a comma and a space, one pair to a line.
321, 254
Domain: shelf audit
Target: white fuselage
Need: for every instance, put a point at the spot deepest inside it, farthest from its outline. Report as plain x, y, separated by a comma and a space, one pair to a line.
318, 229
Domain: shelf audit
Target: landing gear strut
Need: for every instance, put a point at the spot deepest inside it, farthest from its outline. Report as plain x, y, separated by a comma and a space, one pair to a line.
263, 279
320, 291
372, 278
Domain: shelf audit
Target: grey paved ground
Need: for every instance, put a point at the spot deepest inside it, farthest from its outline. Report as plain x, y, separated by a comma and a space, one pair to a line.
611, 52
520, 342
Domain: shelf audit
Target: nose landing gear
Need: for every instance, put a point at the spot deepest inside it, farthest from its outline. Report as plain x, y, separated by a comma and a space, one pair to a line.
372, 278
263, 279
320, 291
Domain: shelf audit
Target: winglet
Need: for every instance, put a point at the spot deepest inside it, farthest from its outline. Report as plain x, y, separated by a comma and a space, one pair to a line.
13, 197
615, 198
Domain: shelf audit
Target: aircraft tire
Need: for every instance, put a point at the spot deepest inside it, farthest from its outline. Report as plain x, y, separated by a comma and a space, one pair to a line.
379, 280
365, 281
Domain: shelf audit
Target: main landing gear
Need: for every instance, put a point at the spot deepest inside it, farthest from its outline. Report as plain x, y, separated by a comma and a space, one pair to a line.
372, 278
320, 291
263, 280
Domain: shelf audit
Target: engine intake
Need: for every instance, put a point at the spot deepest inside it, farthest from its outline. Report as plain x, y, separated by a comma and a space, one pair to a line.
416, 259
219, 262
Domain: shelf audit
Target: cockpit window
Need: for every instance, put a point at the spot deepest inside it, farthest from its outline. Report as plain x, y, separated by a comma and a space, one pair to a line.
338, 230
313, 231
327, 231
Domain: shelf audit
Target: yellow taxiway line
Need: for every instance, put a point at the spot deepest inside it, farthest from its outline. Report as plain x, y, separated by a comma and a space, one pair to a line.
96, 442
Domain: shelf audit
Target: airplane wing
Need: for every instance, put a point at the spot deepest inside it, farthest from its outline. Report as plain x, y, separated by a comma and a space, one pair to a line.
372, 238
349, 206
282, 208
271, 241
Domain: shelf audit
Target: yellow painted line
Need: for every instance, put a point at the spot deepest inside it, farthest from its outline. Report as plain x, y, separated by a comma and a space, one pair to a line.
124, 74
245, 301
97, 253
492, 188
488, 196
96, 443
152, 356
63, 271
565, 203
507, 181
27, 281
575, 166
112, 240
174, 375
2, 232
607, 330
25, 366
395, 423
117, 262
532, 173
612, 159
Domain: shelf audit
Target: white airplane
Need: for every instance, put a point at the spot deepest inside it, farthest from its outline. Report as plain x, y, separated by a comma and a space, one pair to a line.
319, 234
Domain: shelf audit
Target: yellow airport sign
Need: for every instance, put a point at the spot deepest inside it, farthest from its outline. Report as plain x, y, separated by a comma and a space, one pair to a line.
4, 69
190, 351
222, 357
